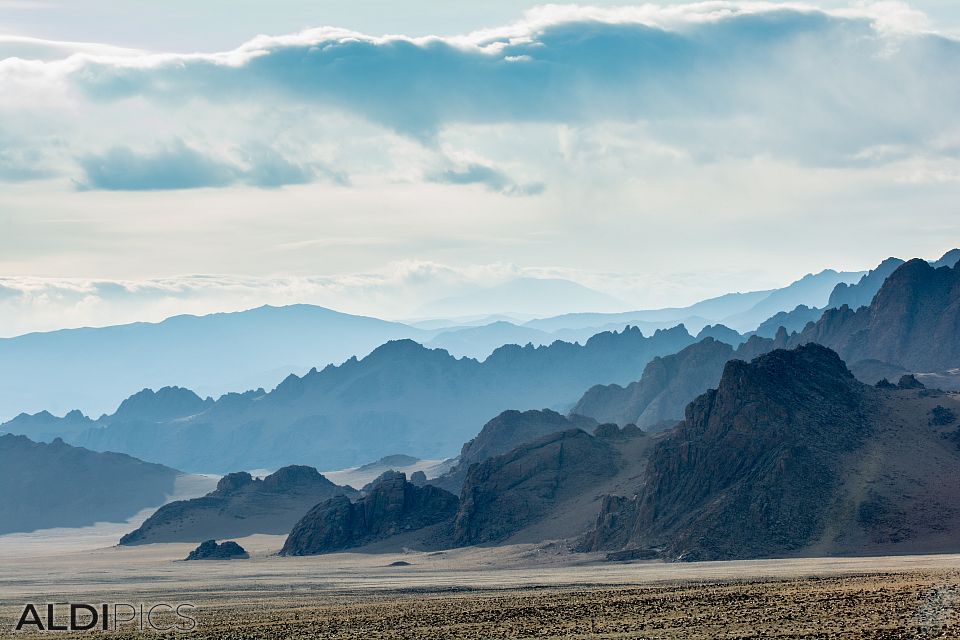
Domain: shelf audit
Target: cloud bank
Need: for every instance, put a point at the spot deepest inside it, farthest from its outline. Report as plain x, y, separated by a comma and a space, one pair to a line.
714, 80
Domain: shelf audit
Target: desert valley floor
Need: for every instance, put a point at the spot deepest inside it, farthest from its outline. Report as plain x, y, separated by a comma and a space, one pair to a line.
517, 591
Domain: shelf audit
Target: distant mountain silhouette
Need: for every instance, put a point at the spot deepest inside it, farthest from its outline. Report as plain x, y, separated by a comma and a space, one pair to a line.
791, 455
92, 369
913, 325
859, 294
402, 397
240, 506
57, 485
722, 333
813, 290
792, 321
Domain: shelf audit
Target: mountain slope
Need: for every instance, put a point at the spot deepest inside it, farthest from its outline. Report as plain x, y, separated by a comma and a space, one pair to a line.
504, 433
667, 385
56, 485
791, 455
240, 506
390, 507
913, 322
402, 397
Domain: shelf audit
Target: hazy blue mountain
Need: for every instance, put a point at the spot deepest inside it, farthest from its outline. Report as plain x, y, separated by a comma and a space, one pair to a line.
57, 485
656, 401
856, 295
479, 342
93, 369
812, 290
792, 321
739, 311
401, 397
722, 333
861, 293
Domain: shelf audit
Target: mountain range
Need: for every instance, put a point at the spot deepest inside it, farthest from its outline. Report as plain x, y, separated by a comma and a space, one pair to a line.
911, 325
92, 369
401, 397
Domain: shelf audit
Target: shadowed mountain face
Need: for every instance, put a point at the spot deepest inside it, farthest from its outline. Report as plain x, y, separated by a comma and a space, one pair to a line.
792, 455
56, 485
658, 399
391, 506
504, 493
402, 397
913, 322
507, 431
240, 506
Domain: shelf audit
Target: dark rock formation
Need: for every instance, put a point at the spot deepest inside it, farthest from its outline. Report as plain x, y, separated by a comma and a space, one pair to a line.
749, 471
56, 485
507, 431
210, 550
418, 478
240, 506
883, 383
391, 506
909, 381
941, 416
505, 493
791, 455
913, 322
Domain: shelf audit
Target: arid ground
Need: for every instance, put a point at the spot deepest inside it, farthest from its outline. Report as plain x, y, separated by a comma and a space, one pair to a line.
520, 591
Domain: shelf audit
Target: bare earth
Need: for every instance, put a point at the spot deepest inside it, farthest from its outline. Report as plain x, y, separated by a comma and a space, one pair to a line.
519, 591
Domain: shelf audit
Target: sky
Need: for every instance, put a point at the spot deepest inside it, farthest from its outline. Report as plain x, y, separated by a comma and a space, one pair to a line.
375, 157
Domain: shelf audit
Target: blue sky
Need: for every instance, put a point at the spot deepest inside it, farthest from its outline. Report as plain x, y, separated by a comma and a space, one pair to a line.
375, 156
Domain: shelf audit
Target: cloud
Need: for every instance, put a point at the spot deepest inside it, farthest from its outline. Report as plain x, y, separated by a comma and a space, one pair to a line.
744, 78
711, 80
179, 166
175, 167
491, 178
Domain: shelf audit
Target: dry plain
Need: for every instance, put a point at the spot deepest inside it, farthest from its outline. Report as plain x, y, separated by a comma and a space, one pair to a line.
519, 591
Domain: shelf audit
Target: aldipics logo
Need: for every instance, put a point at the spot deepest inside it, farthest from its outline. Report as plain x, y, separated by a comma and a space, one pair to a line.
122, 616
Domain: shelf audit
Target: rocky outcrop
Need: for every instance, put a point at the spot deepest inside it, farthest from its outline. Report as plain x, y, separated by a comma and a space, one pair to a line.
791, 455
749, 470
57, 485
241, 505
210, 550
390, 507
507, 431
508, 492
